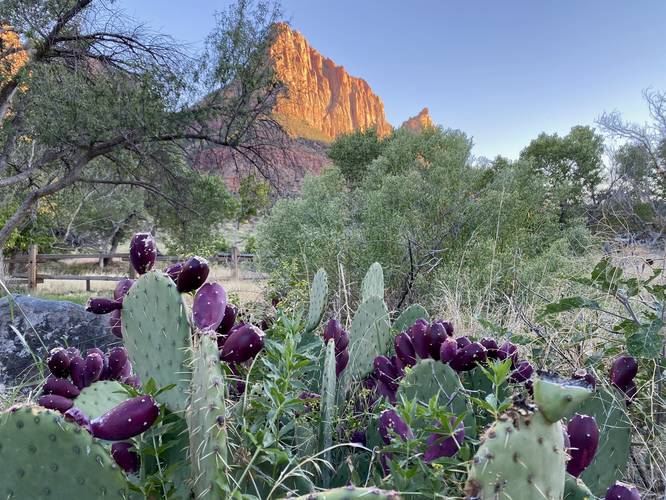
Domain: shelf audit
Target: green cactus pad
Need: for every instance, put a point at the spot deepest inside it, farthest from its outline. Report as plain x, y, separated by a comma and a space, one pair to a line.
612, 457
100, 397
157, 336
369, 337
575, 489
373, 283
351, 492
559, 398
409, 316
328, 382
45, 457
318, 292
429, 378
521, 457
206, 421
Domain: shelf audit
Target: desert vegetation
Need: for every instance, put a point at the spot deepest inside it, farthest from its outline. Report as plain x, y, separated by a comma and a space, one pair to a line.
428, 324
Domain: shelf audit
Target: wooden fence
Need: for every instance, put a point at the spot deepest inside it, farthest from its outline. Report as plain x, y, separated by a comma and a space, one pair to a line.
34, 258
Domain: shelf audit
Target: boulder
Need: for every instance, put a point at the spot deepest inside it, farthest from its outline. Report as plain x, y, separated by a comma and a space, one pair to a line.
43, 325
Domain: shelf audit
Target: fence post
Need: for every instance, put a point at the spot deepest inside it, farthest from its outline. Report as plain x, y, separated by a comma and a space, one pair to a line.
32, 268
235, 258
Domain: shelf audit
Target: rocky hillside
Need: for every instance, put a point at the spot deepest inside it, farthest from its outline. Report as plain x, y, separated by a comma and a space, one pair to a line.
419, 122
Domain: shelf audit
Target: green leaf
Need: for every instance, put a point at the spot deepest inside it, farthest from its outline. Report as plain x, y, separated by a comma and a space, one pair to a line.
646, 341
571, 303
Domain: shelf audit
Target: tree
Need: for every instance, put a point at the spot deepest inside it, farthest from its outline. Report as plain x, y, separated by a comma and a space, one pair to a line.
353, 152
253, 197
92, 87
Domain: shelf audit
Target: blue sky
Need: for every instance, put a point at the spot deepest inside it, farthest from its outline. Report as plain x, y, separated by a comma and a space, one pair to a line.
502, 71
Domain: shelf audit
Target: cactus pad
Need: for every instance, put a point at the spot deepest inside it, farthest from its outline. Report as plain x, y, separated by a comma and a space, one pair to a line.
430, 378
522, 457
409, 316
100, 397
157, 336
559, 398
369, 337
45, 457
318, 292
612, 457
373, 283
351, 492
206, 421
328, 382
575, 489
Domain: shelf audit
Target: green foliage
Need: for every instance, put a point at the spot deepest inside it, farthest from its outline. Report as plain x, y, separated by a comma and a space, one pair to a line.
253, 198
353, 152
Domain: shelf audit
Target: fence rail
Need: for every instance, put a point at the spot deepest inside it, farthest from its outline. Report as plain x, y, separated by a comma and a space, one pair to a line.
33, 258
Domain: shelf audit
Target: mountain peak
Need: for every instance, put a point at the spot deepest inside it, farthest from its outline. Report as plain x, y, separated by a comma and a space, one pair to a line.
322, 99
419, 122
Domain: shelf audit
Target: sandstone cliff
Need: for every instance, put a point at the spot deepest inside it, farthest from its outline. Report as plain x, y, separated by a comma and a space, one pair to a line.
419, 122
323, 100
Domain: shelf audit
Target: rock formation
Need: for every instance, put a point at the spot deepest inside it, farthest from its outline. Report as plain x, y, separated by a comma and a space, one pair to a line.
419, 122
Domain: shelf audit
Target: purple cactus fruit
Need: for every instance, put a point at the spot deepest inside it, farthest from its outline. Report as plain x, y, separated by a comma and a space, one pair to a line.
341, 362
92, 368
463, 342
173, 271
583, 441
209, 307
386, 372
442, 445
193, 275
117, 361
391, 424
331, 330
522, 373
491, 346
116, 323
467, 357
583, 374
122, 287
95, 350
103, 306
77, 416
359, 437
243, 343
132, 380
55, 402
622, 491
76, 368
384, 390
60, 387
143, 251
418, 332
448, 326
125, 456
448, 350
404, 349
508, 350
623, 371
437, 334
341, 341
72, 352
230, 313
399, 366
58, 362
130, 418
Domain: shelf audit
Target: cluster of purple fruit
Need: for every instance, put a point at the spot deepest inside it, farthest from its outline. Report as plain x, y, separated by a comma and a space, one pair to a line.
436, 341
333, 331
622, 374
438, 445
59, 391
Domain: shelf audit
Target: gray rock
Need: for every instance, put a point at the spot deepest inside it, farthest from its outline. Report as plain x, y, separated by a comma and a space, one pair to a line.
44, 324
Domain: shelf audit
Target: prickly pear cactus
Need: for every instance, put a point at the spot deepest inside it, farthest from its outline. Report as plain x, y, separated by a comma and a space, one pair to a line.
318, 292
576, 489
157, 336
351, 492
558, 398
100, 397
373, 283
369, 337
328, 383
206, 421
612, 457
430, 378
409, 316
45, 457
522, 457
